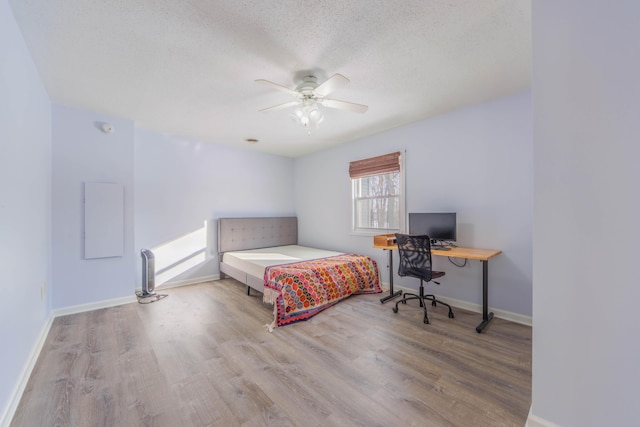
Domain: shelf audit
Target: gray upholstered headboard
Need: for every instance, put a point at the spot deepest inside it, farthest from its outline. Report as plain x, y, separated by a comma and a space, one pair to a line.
237, 234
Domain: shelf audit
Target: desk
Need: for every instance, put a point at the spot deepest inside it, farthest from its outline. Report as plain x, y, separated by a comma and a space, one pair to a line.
483, 255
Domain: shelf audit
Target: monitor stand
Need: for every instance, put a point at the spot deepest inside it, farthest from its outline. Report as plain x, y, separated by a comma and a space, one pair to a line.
438, 245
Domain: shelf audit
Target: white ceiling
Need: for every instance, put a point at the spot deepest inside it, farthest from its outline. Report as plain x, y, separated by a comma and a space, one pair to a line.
188, 67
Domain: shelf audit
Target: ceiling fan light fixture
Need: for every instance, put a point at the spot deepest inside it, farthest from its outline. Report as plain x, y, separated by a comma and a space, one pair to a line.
309, 115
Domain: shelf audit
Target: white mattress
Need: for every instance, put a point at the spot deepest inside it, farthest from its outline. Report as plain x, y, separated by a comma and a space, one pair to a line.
254, 261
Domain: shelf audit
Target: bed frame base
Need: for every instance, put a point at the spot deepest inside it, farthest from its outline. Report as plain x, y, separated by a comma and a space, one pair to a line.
237, 234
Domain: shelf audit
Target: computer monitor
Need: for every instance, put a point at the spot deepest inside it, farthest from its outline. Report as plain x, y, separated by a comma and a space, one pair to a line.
438, 226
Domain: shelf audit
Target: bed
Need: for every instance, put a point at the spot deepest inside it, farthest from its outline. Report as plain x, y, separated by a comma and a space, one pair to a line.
299, 281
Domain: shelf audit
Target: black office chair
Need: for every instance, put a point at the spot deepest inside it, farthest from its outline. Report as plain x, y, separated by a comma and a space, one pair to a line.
415, 261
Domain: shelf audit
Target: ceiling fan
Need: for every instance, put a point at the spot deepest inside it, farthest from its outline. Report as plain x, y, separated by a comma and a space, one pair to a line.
310, 96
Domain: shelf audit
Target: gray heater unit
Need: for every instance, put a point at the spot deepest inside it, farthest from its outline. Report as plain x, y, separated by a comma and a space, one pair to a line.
148, 274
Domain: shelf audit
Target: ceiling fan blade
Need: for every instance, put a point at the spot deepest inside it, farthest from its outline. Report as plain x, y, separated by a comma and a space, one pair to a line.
344, 105
334, 82
280, 106
277, 86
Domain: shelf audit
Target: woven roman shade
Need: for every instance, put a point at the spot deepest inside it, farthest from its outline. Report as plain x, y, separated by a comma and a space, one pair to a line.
375, 165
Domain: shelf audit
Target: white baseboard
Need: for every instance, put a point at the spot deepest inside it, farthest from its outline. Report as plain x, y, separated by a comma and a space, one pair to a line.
187, 282
534, 421
18, 390
126, 300
93, 306
476, 308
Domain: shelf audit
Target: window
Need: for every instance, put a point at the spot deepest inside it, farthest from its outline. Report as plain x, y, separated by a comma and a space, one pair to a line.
378, 202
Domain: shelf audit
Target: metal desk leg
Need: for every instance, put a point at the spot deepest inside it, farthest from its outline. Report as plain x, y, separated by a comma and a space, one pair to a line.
486, 316
391, 293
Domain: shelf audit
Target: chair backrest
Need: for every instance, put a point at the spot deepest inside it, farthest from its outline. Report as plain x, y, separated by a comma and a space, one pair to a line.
415, 256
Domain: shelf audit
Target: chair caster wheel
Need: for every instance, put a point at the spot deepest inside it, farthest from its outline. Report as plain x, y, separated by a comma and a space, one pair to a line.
433, 303
426, 320
395, 309
451, 315
403, 301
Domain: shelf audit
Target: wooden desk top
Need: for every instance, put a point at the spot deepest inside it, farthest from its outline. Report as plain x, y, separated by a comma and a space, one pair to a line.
456, 252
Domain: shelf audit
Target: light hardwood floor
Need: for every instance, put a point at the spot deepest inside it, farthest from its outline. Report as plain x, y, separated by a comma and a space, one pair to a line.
201, 357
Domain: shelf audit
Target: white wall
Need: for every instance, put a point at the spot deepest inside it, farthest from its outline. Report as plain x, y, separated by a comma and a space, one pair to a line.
172, 187
476, 162
182, 183
586, 334
25, 207
83, 153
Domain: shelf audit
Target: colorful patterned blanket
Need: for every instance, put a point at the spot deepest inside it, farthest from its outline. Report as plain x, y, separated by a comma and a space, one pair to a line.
302, 289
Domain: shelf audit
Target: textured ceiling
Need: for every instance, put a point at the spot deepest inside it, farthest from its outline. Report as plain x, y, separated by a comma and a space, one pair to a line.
188, 67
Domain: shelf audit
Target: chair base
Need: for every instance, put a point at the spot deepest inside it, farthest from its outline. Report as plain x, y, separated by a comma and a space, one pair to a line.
422, 299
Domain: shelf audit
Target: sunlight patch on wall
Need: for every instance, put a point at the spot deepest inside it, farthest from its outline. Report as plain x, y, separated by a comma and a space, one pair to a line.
177, 256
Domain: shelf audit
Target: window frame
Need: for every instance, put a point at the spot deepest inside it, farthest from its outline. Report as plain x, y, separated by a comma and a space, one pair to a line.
362, 231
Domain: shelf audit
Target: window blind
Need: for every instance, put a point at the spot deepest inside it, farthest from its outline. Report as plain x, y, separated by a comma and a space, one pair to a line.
375, 165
